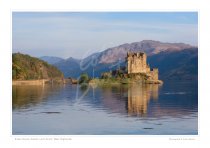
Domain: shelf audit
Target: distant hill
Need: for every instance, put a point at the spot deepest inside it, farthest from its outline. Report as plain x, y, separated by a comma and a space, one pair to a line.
70, 67
25, 67
174, 60
51, 60
181, 65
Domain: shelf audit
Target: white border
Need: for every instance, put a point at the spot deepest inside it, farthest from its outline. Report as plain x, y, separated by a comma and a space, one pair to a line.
8, 6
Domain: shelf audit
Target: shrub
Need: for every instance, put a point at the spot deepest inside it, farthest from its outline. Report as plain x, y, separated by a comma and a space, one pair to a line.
84, 78
106, 75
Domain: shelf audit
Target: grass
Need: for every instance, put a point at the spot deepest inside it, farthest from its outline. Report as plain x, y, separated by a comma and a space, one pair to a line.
131, 78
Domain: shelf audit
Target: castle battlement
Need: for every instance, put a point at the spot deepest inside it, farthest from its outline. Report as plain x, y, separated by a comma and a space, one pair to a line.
135, 54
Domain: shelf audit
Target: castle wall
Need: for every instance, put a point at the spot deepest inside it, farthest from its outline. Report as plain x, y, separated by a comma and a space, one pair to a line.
147, 69
137, 63
154, 74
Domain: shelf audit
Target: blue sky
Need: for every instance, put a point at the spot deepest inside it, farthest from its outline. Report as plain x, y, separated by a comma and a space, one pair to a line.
78, 34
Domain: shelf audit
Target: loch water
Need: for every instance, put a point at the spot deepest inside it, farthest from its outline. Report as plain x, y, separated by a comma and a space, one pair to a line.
134, 109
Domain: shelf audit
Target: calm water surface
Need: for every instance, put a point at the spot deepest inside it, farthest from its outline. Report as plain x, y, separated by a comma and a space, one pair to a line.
169, 109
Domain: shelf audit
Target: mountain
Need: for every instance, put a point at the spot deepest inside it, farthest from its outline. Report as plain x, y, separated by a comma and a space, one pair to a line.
150, 47
174, 60
25, 67
51, 60
182, 65
70, 67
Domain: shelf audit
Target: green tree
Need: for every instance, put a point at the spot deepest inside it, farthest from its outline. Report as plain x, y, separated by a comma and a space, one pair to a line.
84, 78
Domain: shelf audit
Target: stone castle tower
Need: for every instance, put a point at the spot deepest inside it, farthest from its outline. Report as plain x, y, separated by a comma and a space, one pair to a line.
137, 63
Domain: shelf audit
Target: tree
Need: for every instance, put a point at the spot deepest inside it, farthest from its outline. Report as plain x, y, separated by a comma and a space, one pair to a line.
106, 75
84, 78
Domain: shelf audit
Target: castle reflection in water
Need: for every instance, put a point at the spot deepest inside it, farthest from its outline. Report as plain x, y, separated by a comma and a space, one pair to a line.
139, 97
130, 99
170, 109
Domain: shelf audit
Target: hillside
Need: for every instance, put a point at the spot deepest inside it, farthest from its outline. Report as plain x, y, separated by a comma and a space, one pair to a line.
150, 47
174, 60
25, 67
182, 65
69, 67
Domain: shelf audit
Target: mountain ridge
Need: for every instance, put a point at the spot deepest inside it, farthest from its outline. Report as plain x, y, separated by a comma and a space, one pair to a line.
157, 53
51, 59
150, 47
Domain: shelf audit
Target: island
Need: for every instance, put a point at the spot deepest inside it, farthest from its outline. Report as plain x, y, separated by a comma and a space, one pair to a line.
136, 71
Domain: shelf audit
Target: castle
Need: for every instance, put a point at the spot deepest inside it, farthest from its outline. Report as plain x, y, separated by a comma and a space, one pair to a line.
137, 63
